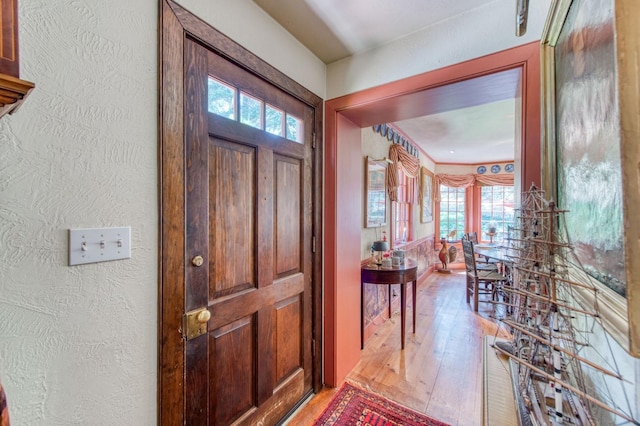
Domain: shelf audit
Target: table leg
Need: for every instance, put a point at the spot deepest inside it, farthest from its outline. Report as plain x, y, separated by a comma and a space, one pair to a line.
403, 306
389, 297
415, 307
361, 315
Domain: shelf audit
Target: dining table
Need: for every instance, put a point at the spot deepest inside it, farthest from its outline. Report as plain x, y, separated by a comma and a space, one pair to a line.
497, 252
505, 256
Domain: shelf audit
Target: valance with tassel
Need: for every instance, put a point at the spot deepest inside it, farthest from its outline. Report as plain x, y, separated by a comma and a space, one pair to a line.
410, 166
465, 181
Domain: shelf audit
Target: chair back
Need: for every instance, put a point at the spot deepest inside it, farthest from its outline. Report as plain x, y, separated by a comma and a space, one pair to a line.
469, 256
473, 237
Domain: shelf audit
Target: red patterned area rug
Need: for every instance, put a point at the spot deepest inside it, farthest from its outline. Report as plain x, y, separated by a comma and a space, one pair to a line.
355, 406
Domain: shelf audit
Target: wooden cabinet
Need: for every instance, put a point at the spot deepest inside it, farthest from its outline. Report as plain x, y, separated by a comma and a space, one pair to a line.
13, 91
9, 59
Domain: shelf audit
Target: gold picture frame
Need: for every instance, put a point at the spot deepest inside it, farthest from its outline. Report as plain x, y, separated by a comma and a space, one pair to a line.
566, 40
426, 195
375, 193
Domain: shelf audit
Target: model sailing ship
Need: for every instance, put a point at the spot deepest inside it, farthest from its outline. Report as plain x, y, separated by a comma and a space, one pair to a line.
559, 377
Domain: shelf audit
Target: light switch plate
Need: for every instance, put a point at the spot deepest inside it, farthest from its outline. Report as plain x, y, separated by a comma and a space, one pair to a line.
91, 245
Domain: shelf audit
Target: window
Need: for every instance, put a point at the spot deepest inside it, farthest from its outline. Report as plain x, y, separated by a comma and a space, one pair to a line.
402, 211
294, 128
252, 111
274, 121
222, 99
496, 211
452, 209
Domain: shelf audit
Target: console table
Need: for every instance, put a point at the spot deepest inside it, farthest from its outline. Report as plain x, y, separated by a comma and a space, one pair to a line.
403, 274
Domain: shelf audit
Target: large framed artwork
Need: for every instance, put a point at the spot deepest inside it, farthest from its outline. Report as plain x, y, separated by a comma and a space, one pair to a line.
426, 195
591, 149
375, 193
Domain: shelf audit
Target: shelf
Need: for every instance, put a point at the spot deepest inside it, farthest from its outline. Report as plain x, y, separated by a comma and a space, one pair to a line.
13, 93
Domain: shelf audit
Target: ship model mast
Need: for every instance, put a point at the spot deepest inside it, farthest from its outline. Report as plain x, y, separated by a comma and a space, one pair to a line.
548, 372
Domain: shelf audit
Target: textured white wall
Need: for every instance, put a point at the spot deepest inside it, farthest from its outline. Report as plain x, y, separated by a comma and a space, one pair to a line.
489, 28
78, 345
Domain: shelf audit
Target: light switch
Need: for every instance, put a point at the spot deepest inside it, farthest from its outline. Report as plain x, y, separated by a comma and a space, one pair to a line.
90, 245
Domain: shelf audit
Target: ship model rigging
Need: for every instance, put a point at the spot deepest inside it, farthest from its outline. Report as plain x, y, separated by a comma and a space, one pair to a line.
559, 376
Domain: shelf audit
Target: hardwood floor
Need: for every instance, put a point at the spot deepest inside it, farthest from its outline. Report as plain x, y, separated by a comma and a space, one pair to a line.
439, 373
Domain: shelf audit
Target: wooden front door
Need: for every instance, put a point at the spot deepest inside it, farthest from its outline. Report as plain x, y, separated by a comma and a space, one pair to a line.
245, 255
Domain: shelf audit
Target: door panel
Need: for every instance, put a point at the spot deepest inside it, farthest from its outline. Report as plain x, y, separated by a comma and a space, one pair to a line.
289, 314
233, 378
288, 216
232, 207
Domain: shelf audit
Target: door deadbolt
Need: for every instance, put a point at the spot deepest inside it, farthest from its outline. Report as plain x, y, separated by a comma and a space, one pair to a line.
197, 261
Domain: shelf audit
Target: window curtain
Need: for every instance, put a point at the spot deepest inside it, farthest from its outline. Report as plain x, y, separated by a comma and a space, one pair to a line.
410, 166
494, 180
465, 181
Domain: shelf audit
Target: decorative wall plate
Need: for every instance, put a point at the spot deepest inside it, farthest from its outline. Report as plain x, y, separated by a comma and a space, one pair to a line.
508, 168
482, 169
495, 168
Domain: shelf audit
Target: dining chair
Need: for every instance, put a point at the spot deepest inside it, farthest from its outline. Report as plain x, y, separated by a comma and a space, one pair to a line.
479, 281
482, 263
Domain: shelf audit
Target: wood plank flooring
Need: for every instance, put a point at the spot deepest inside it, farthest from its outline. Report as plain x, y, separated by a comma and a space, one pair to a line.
440, 371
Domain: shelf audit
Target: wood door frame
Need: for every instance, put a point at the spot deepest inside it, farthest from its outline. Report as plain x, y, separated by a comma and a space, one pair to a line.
176, 23
345, 116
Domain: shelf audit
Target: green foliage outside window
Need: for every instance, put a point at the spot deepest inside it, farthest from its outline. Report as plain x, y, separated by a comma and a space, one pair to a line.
250, 111
221, 99
294, 128
497, 205
452, 211
273, 121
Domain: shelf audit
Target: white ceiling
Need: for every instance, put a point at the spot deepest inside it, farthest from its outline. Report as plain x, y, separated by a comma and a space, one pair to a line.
468, 135
477, 131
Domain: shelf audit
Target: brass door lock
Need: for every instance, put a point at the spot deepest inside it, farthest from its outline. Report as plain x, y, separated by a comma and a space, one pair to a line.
194, 323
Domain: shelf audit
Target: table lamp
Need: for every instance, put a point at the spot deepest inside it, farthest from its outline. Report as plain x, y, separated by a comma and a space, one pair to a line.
379, 247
